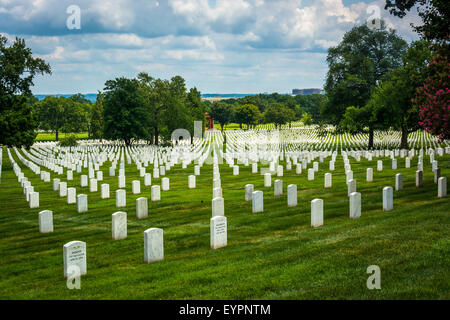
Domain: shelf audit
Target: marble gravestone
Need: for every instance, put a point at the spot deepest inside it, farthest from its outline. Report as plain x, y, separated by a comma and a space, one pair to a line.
104, 191
121, 198
82, 203
71, 195
278, 188
316, 213
218, 232
257, 201
45, 221
141, 208
249, 188
74, 254
355, 205
156, 193
218, 208
119, 225
153, 245
388, 198
292, 195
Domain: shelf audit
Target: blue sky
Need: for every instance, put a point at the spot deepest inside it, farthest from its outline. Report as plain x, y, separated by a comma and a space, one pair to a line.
218, 46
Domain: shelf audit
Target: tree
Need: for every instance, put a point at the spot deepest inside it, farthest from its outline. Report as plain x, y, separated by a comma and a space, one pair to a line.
222, 113
307, 119
18, 123
435, 15
125, 115
357, 64
96, 117
391, 103
433, 96
18, 69
52, 114
247, 114
278, 114
196, 110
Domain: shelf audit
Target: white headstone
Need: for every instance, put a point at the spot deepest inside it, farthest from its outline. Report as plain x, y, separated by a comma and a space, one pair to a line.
351, 187
398, 181
63, 189
442, 187
156, 193
45, 221
141, 208
165, 184
71, 195
379, 165
316, 213
148, 179
93, 186
121, 198
355, 205
218, 231
267, 180
119, 225
369, 175
257, 201
84, 181
218, 207
136, 187
310, 174
388, 198
104, 191
292, 195
74, 253
153, 245
191, 182
34, 200
278, 188
328, 180
82, 203
249, 188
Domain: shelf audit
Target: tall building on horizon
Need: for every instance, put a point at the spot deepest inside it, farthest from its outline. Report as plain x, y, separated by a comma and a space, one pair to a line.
305, 92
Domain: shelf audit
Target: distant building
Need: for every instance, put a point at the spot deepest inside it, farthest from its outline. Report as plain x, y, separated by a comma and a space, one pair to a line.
305, 92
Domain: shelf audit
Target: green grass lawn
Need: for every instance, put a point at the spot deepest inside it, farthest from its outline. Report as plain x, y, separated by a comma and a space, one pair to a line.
47, 136
270, 255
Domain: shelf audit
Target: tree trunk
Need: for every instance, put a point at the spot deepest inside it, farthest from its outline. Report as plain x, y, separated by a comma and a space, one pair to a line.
56, 131
240, 126
404, 141
156, 136
370, 138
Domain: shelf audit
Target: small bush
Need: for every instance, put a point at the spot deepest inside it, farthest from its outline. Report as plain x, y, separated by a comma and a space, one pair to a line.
69, 141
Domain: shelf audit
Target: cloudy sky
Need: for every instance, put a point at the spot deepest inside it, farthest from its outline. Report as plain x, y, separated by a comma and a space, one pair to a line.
218, 46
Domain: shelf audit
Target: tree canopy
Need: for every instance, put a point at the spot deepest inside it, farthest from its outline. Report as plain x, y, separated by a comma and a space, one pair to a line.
18, 68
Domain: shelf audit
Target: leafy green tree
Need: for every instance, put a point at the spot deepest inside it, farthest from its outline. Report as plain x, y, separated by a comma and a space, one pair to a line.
125, 115
435, 15
248, 114
80, 98
357, 64
195, 110
391, 103
278, 114
52, 114
18, 69
222, 113
96, 117
307, 119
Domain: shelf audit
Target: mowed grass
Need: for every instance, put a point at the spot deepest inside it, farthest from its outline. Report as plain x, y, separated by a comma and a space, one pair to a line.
48, 136
270, 255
